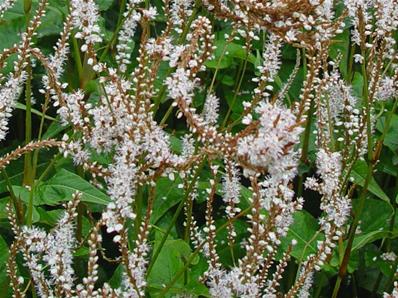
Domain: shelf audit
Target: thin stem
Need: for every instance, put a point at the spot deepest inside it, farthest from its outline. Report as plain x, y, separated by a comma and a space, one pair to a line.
47, 170
138, 211
237, 90
76, 56
174, 219
189, 220
80, 212
330, 125
162, 93
367, 108
362, 197
307, 134
28, 178
16, 202
196, 252
115, 32
166, 115
219, 64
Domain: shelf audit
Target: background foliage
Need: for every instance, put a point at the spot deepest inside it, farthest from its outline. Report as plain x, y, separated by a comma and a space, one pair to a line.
57, 178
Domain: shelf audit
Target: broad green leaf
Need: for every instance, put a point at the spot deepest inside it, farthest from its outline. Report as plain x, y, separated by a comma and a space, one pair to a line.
15, 170
370, 267
65, 183
304, 230
169, 262
52, 22
387, 164
4, 280
61, 188
82, 251
116, 279
104, 4
175, 144
15, 12
235, 102
9, 33
232, 50
374, 222
22, 106
224, 250
359, 173
288, 53
334, 264
163, 72
49, 217
192, 289
3, 204
14, 18
372, 257
54, 129
227, 80
357, 84
168, 194
391, 138
362, 240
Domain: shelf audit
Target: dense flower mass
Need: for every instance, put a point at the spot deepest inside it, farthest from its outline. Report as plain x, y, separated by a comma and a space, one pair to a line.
273, 144
215, 148
85, 19
8, 94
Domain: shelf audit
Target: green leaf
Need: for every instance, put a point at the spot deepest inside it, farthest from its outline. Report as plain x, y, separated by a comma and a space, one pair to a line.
4, 280
304, 230
192, 289
374, 222
21, 106
176, 144
65, 183
235, 102
52, 22
224, 250
288, 53
9, 33
391, 137
116, 279
54, 129
61, 188
359, 173
3, 204
167, 195
15, 12
104, 4
362, 240
82, 251
387, 163
233, 50
169, 262
15, 170
227, 80
373, 260
49, 217
357, 84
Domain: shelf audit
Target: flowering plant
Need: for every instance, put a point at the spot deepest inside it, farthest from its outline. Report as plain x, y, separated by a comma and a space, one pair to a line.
215, 148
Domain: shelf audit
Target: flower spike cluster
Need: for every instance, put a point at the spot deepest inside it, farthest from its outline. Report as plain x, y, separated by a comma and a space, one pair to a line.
239, 165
